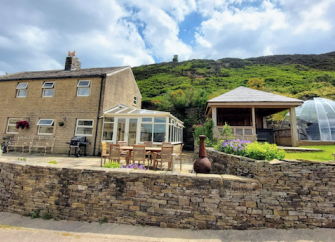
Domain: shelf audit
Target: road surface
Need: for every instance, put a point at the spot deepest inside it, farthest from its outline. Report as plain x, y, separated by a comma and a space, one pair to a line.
15, 228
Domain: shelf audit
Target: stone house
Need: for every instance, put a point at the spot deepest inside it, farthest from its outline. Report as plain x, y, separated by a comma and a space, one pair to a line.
65, 103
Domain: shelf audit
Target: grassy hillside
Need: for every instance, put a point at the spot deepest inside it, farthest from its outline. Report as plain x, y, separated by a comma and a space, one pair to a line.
183, 88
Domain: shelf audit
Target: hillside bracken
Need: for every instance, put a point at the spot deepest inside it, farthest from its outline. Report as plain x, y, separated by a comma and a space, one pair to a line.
183, 88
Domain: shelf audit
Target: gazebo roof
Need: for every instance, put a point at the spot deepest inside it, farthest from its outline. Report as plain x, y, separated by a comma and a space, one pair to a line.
248, 95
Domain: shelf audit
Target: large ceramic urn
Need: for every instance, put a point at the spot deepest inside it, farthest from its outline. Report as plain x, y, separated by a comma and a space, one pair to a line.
202, 163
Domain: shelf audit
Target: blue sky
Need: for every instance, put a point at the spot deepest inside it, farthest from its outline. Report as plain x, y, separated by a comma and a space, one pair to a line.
37, 34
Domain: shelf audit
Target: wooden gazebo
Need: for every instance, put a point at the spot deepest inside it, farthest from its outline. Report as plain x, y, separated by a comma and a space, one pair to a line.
246, 109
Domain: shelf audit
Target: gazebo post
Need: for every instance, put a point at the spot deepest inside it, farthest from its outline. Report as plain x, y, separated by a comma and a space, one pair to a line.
294, 130
214, 118
253, 121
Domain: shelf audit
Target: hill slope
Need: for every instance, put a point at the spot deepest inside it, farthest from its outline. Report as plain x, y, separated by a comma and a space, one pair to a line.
183, 88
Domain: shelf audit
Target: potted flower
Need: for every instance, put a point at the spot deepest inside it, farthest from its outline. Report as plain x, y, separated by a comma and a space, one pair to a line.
22, 124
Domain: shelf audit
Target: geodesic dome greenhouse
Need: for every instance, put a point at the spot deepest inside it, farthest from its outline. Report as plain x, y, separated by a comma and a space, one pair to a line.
316, 120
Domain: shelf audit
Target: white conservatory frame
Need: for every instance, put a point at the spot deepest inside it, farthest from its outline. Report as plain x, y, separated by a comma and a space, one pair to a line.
173, 126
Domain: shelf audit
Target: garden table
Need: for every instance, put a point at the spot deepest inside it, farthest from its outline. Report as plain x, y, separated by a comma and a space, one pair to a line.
130, 148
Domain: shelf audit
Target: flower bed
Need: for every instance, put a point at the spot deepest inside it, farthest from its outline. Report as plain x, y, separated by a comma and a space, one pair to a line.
115, 164
254, 150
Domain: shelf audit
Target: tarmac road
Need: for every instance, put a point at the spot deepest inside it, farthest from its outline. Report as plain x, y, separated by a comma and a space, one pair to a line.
15, 228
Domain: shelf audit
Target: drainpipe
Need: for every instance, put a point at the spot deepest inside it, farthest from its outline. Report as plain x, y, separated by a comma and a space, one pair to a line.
97, 126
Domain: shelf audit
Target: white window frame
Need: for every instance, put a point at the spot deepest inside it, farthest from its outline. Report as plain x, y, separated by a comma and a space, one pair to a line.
46, 88
152, 122
103, 129
135, 100
48, 125
84, 87
7, 132
85, 126
19, 89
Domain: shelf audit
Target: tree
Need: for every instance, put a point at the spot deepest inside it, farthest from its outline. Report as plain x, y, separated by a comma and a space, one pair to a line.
257, 84
175, 58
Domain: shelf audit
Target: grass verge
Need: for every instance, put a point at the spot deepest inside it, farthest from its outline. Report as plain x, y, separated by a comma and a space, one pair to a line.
325, 155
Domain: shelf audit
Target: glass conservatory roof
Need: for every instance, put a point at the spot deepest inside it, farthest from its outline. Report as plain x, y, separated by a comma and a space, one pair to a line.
123, 110
316, 119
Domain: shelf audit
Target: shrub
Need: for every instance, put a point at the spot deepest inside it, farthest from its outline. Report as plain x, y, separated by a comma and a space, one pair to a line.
235, 147
112, 164
35, 214
227, 132
205, 129
46, 215
264, 151
255, 150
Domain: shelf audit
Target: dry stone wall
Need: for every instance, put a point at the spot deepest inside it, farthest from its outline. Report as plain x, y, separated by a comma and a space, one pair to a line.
169, 199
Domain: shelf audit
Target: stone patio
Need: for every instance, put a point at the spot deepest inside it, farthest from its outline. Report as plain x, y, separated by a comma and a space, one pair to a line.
83, 162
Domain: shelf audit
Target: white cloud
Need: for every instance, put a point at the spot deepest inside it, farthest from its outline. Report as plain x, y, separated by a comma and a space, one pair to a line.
132, 32
244, 30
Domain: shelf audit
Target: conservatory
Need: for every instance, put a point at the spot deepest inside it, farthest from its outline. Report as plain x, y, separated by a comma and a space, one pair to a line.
316, 120
135, 126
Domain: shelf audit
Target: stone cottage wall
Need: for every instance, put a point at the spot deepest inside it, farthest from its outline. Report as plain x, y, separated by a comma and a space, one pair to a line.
171, 199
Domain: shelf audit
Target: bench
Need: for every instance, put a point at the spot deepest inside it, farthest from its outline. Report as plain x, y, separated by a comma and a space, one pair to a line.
42, 143
21, 142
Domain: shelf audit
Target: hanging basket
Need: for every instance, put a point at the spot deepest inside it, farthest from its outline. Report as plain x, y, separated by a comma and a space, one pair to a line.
22, 124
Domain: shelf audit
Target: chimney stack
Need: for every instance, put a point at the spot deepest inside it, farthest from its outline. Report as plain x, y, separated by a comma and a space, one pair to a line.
72, 63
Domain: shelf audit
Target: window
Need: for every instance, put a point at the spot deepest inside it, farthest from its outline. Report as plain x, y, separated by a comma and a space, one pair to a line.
153, 129
83, 88
21, 90
108, 130
48, 89
84, 127
11, 126
135, 101
45, 126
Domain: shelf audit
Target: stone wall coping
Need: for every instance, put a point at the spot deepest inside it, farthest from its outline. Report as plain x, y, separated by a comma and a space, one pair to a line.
126, 171
274, 162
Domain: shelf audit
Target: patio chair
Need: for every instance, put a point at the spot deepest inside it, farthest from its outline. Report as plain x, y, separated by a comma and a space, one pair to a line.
115, 153
139, 154
123, 143
21, 142
104, 152
179, 154
164, 156
164, 144
149, 144
43, 143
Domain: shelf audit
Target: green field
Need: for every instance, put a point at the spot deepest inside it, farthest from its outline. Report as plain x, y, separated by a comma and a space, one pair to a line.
326, 155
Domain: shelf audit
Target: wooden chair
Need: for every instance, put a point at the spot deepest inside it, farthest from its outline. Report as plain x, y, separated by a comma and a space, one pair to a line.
164, 144
115, 153
164, 156
139, 154
148, 153
179, 154
104, 152
123, 143
148, 143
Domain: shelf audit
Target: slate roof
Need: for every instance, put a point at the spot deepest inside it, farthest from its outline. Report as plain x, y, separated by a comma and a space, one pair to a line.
248, 95
55, 74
